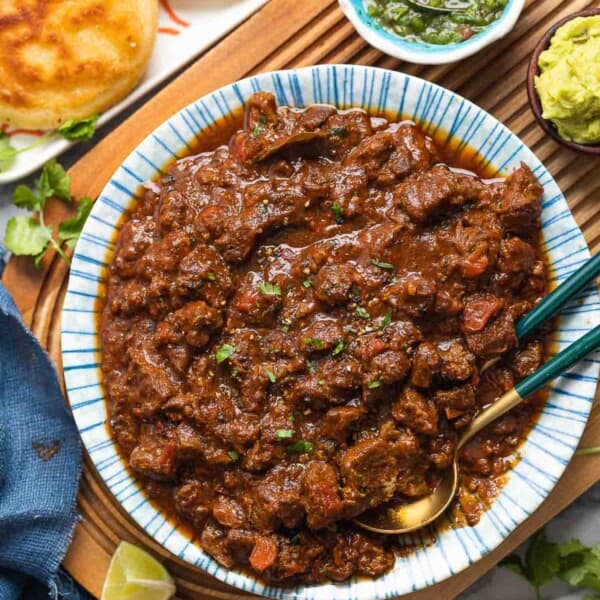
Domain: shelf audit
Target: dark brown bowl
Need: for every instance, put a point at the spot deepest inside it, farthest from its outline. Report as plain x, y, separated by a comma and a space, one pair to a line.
534, 99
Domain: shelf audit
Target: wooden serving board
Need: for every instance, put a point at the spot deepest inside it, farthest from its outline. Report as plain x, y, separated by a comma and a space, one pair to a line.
285, 34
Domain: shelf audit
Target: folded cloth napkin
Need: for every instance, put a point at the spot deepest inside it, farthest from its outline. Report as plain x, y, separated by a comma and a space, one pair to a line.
40, 463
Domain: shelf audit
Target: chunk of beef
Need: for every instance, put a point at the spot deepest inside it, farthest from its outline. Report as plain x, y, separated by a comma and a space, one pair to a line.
426, 365
333, 283
455, 401
369, 469
520, 206
356, 553
389, 367
323, 333
135, 237
321, 494
528, 359
416, 411
497, 337
458, 364
516, 255
434, 192
277, 499
255, 302
193, 323
338, 421
413, 293
214, 541
154, 457
228, 512
192, 501
478, 311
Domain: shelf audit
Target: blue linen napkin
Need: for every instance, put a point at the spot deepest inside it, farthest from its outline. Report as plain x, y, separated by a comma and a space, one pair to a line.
40, 465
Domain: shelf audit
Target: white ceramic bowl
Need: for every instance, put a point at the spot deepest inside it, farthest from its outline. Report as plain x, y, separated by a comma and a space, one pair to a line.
420, 52
549, 446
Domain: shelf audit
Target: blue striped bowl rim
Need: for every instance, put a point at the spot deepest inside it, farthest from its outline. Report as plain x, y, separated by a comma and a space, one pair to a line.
552, 441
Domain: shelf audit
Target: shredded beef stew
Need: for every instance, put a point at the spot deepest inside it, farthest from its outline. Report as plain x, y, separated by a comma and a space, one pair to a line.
295, 328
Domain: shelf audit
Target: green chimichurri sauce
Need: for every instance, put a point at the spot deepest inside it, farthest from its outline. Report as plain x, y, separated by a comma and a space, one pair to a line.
467, 18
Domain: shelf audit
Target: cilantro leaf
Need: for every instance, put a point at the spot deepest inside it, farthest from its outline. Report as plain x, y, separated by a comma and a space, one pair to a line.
307, 283
284, 434
24, 197
339, 132
373, 385
581, 568
260, 125
362, 313
77, 131
272, 377
301, 446
339, 348
383, 265
387, 319
70, 229
542, 560
270, 289
26, 236
233, 455
314, 342
514, 563
7, 152
54, 181
338, 212
224, 352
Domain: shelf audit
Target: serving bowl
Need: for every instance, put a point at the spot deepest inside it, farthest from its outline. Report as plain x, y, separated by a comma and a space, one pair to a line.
420, 52
534, 99
444, 115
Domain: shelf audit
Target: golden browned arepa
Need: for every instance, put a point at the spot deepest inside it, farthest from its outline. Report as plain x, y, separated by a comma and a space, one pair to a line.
70, 59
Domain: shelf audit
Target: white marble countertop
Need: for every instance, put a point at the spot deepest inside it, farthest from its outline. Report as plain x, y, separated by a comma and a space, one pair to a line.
581, 519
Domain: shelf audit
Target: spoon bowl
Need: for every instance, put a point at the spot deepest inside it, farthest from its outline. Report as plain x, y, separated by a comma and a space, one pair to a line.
402, 518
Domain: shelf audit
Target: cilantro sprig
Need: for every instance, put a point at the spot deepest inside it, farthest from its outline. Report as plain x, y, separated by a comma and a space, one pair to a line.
29, 235
74, 131
570, 561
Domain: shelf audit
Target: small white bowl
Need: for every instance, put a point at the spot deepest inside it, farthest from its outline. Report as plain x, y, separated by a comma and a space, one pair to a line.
420, 52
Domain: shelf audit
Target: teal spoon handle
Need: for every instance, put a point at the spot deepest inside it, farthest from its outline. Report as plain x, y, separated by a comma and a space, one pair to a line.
553, 302
559, 363
546, 373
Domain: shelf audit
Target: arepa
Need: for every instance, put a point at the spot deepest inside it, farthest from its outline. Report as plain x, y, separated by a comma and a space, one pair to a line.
70, 59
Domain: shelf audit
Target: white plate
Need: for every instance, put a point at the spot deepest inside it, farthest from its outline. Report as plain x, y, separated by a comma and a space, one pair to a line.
186, 28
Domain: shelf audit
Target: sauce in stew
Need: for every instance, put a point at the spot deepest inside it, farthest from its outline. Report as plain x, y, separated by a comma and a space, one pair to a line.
294, 329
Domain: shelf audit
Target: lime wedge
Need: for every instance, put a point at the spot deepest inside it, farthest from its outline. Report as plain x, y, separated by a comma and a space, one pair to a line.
135, 575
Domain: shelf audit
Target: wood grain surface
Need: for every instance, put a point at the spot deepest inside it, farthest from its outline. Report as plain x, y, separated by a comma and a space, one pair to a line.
288, 34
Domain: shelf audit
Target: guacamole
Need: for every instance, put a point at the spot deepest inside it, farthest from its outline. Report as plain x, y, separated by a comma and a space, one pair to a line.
569, 80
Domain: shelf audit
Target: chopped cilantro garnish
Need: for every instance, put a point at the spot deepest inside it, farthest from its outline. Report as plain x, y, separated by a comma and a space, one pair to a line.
285, 327
339, 132
284, 434
383, 265
260, 125
386, 320
339, 348
270, 289
362, 313
301, 446
338, 211
224, 352
306, 283
374, 384
211, 276
233, 455
314, 342
272, 377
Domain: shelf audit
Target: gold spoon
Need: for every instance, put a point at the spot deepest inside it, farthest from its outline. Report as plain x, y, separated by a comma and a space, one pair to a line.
393, 518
